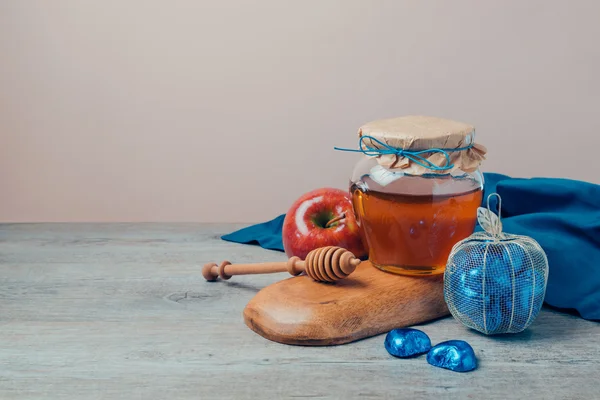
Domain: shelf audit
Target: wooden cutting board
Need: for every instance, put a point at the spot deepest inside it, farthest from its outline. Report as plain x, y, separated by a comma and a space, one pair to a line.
369, 302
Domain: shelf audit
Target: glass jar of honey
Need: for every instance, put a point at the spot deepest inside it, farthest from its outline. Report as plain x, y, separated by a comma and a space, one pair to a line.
415, 191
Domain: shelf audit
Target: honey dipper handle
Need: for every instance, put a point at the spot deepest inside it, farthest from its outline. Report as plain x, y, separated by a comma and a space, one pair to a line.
226, 270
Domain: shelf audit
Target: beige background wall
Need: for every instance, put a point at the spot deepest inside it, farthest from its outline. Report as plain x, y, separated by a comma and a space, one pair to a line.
228, 110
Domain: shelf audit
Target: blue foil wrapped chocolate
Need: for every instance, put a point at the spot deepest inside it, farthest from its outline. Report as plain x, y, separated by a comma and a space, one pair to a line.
455, 355
407, 342
495, 282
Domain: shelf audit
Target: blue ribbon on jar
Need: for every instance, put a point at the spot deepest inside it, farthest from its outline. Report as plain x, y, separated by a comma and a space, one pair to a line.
413, 155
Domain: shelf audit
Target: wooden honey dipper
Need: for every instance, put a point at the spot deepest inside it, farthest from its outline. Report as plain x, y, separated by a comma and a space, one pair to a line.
325, 264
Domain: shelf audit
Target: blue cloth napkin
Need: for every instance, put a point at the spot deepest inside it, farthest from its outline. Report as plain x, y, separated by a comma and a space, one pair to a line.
267, 234
563, 215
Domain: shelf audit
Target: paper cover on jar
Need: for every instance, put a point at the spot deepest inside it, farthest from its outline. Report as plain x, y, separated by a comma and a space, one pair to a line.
443, 143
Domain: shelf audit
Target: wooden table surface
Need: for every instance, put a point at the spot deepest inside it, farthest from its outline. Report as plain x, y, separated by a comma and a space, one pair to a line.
101, 311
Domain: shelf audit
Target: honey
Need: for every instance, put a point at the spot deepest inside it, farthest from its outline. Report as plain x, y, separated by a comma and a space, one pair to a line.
411, 225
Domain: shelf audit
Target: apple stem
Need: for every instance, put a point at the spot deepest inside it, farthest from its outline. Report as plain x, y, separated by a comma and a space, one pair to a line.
336, 219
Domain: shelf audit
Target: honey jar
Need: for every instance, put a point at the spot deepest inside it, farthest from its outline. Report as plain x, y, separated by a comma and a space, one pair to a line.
415, 191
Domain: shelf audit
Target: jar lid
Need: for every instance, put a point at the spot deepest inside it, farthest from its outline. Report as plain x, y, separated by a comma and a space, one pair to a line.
405, 142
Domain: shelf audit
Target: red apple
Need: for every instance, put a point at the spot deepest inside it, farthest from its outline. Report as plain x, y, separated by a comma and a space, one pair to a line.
322, 217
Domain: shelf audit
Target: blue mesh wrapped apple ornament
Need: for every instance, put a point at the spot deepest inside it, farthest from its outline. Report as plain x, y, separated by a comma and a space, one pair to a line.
495, 282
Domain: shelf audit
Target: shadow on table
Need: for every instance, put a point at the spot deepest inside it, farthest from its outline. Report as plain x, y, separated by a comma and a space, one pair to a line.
243, 286
547, 327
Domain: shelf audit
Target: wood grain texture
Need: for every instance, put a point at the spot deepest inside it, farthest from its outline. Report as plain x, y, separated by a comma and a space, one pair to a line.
369, 302
122, 312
